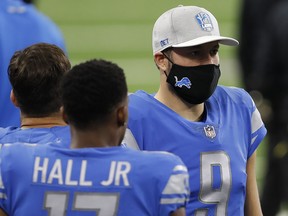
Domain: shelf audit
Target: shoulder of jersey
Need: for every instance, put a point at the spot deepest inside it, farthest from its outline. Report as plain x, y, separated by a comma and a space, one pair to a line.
235, 94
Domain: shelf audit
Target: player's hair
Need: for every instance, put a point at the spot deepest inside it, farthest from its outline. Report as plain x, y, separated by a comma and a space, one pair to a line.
29, 1
91, 91
35, 74
167, 52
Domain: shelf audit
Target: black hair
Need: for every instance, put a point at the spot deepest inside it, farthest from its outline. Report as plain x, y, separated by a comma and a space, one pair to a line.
29, 1
91, 91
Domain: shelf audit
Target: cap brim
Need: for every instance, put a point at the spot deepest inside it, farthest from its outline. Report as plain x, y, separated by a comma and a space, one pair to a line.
206, 39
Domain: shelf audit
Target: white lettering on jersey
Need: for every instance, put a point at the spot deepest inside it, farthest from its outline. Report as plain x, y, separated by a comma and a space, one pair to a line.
82, 181
38, 169
118, 171
68, 180
56, 173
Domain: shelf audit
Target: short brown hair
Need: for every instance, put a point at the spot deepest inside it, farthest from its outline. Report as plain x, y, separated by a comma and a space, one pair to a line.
35, 74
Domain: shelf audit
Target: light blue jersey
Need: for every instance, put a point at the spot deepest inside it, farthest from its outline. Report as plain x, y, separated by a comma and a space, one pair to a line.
48, 180
215, 150
21, 25
57, 134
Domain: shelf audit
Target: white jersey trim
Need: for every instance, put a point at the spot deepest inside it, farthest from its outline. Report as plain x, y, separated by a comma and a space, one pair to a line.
129, 140
256, 122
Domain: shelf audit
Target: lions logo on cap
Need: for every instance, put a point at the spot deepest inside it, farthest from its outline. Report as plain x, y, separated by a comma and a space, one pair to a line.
204, 21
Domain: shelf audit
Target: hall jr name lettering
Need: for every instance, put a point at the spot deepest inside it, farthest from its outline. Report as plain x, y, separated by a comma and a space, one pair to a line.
61, 175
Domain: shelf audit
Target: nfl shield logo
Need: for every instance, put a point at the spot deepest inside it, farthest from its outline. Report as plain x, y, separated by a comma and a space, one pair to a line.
210, 131
204, 21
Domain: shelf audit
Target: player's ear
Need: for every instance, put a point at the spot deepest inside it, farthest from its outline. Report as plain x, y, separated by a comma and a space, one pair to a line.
161, 62
64, 116
122, 115
13, 98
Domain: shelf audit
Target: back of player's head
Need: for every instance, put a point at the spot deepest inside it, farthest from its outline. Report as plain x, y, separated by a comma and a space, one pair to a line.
91, 91
35, 74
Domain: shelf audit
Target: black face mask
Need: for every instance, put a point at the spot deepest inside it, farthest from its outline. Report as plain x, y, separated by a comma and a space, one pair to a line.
194, 84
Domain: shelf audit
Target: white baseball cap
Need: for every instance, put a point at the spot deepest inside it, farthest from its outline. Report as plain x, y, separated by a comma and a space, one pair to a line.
186, 26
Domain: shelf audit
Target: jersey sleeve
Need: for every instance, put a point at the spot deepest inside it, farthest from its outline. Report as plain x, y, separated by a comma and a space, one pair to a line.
258, 130
175, 193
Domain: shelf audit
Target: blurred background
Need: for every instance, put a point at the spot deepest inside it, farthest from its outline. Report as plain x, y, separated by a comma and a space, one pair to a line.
121, 31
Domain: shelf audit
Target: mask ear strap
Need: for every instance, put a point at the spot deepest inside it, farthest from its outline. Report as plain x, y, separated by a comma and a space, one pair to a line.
165, 74
167, 57
168, 60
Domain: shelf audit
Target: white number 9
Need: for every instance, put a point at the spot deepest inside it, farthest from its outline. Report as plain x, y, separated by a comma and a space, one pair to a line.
208, 194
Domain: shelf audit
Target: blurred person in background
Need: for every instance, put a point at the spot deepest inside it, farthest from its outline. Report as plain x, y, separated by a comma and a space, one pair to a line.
21, 25
263, 57
251, 25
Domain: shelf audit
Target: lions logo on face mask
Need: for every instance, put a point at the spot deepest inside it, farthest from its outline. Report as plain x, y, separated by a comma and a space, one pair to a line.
183, 82
194, 84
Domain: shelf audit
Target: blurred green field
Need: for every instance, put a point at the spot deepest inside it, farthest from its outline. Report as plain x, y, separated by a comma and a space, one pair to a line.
121, 31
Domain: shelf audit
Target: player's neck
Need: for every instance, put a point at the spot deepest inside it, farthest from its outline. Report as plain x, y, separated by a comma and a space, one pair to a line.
96, 138
42, 122
188, 111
